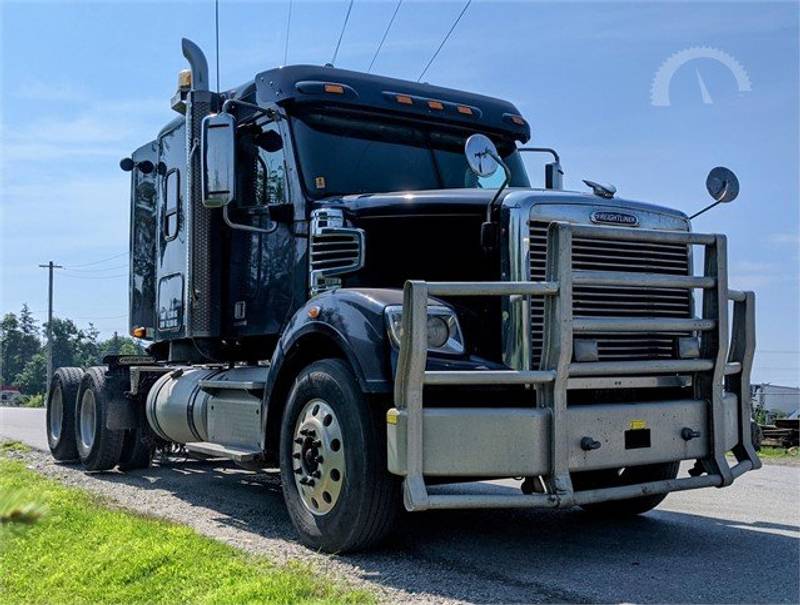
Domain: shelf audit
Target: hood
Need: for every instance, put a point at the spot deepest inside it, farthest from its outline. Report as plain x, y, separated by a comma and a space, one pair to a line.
471, 201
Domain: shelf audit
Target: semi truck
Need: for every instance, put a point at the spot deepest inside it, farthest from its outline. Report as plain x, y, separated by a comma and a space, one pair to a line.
353, 279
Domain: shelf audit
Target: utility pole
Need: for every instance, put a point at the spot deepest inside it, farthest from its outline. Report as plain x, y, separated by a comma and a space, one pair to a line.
50, 266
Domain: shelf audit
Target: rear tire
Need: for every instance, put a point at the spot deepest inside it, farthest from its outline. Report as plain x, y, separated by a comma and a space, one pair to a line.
353, 501
99, 448
60, 413
627, 476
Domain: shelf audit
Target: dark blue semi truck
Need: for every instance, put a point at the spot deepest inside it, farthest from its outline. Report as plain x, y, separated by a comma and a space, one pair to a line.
354, 279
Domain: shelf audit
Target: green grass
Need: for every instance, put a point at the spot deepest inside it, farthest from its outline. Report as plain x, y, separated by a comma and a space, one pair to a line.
82, 551
13, 446
768, 451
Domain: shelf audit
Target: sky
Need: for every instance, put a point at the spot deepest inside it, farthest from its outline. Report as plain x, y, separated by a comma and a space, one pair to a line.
83, 84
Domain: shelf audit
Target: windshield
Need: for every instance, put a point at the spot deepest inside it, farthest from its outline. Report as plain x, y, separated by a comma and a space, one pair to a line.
345, 154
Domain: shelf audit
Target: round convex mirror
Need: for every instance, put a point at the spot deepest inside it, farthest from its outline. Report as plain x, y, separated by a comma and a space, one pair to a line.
479, 150
722, 184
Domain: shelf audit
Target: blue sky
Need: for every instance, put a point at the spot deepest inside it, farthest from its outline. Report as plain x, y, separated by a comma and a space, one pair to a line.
84, 84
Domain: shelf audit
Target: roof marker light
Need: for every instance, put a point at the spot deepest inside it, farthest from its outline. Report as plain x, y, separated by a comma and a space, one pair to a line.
518, 120
465, 110
337, 89
404, 99
436, 105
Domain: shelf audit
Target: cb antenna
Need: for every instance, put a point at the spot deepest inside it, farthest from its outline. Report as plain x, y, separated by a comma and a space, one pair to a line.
216, 28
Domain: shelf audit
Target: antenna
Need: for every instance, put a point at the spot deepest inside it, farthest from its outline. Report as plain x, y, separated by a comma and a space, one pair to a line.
286, 41
446, 37
386, 33
341, 34
216, 27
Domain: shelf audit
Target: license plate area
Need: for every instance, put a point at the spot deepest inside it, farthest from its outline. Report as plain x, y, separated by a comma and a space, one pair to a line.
637, 439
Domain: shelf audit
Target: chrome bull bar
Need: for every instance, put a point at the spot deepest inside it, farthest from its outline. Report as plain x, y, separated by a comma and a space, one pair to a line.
722, 366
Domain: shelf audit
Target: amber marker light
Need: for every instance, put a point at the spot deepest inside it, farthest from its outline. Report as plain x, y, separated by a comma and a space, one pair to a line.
313, 312
435, 105
336, 89
139, 332
404, 99
467, 111
518, 120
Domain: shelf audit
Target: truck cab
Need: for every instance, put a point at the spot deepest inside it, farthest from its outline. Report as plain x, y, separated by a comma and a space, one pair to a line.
354, 278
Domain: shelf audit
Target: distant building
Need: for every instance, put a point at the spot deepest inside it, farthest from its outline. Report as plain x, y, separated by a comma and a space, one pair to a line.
777, 399
9, 395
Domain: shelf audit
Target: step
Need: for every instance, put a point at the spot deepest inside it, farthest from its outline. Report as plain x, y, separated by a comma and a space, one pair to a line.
216, 450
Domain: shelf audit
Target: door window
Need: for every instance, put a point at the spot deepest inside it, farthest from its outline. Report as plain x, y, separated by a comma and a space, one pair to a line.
172, 204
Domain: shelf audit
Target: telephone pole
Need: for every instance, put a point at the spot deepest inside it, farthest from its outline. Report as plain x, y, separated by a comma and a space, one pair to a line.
50, 266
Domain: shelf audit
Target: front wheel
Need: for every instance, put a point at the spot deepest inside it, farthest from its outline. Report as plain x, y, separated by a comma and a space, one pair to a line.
625, 476
337, 489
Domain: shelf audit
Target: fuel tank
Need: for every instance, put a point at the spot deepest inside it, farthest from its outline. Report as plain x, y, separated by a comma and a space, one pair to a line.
200, 404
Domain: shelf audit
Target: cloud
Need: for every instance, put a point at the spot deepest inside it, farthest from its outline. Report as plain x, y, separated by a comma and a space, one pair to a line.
110, 128
751, 275
785, 238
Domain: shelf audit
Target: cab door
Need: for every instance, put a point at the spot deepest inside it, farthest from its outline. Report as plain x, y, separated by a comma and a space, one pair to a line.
262, 261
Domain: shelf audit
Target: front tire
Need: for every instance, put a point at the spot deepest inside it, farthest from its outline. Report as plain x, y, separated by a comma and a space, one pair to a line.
339, 495
60, 413
626, 476
99, 448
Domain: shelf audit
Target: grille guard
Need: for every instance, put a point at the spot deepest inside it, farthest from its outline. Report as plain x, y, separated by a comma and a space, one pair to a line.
724, 365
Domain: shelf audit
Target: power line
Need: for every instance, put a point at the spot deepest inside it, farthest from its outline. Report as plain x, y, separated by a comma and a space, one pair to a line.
341, 34
444, 40
102, 260
386, 33
286, 41
94, 276
114, 268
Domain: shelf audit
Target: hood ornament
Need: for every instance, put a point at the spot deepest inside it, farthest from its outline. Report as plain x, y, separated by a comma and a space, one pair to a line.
600, 190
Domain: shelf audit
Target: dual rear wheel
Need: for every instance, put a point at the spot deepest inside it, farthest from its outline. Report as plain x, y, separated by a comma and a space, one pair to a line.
78, 407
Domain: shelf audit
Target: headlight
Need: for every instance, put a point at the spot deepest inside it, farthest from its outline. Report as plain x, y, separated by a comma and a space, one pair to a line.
444, 333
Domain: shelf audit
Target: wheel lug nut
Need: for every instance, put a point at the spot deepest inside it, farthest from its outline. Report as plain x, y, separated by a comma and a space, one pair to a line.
316, 443
319, 460
297, 471
297, 456
316, 474
299, 441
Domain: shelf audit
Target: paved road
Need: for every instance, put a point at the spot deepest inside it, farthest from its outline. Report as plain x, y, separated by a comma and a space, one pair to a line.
740, 544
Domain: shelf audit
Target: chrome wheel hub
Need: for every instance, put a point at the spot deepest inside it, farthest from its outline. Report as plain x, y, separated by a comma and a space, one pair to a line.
88, 419
56, 413
318, 457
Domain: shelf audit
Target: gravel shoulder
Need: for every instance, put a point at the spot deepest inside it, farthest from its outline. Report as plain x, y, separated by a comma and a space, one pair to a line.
739, 544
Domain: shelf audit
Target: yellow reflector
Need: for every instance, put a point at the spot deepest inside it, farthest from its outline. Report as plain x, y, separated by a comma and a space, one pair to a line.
637, 425
404, 99
313, 312
435, 105
335, 89
391, 416
139, 332
465, 110
518, 120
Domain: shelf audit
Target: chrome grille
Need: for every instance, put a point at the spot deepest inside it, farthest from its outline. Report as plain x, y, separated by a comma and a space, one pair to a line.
615, 301
333, 249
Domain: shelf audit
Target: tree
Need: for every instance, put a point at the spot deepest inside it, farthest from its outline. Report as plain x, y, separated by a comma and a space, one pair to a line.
32, 380
19, 341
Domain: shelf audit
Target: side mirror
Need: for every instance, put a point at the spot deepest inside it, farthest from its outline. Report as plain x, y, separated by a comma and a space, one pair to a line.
722, 184
481, 154
218, 166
